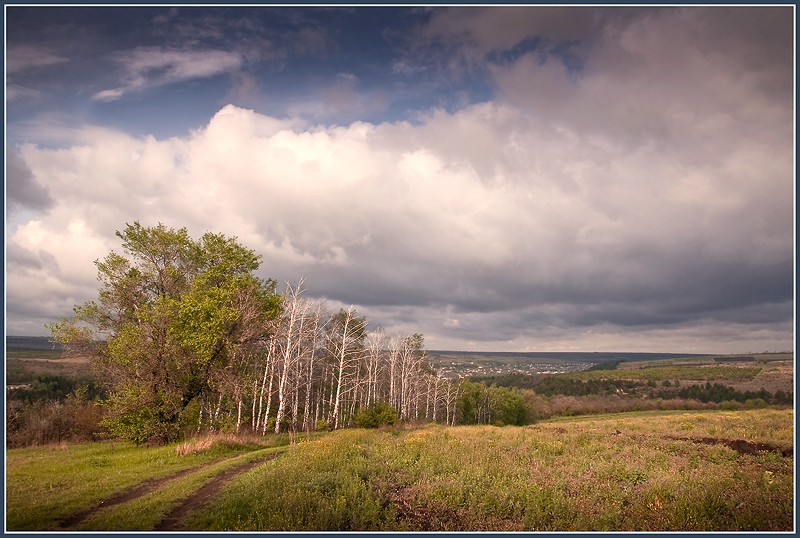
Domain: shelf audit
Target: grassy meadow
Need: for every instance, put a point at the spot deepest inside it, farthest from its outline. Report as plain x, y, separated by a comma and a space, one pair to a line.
649, 471
50, 483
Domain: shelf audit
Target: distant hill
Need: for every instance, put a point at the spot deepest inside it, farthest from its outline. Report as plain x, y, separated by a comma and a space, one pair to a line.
31, 343
470, 363
571, 356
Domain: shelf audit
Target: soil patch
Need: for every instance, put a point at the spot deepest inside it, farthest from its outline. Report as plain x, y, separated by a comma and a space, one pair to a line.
206, 492
740, 445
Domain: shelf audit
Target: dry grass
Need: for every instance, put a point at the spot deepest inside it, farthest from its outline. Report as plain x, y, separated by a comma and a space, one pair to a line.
208, 441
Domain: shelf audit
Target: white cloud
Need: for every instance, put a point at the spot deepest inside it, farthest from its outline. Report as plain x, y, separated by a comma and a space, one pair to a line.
22, 57
644, 203
109, 95
394, 213
147, 67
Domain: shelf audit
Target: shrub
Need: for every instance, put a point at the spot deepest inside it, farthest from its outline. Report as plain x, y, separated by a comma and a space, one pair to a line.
377, 414
42, 422
140, 426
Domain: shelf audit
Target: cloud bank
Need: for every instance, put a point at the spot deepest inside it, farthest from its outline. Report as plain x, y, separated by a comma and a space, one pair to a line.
632, 193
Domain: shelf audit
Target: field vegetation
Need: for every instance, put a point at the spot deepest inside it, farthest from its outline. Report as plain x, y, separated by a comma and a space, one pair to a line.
48, 484
663, 373
707, 470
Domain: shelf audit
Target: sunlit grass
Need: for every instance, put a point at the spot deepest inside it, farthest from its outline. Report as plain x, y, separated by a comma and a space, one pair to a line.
616, 472
627, 471
44, 484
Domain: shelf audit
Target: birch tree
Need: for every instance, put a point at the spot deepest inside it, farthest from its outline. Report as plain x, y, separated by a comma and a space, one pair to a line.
345, 341
294, 325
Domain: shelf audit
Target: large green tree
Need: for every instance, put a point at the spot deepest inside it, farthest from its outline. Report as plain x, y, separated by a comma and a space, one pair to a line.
176, 321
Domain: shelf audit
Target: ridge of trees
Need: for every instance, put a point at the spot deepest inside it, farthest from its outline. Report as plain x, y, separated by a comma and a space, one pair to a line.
557, 385
184, 335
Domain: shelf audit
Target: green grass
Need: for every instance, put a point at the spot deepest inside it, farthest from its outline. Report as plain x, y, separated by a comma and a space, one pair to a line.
144, 513
44, 484
576, 475
644, 471
663, 373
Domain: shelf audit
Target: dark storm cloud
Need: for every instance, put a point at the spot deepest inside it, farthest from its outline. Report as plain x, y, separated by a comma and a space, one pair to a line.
22, 189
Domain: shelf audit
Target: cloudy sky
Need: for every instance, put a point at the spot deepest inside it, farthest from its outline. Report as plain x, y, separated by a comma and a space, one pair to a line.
509, 179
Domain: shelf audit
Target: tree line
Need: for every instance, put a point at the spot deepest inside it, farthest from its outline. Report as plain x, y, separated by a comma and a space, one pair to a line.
184, 335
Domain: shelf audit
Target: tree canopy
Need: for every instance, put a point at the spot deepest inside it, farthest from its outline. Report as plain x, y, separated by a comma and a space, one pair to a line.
173, 320
184, 336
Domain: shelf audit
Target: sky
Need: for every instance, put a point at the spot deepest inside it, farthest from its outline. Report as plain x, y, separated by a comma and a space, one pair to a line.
518, 178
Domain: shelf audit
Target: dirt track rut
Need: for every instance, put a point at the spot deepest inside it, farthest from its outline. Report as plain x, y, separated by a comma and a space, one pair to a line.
209, 490
206, 492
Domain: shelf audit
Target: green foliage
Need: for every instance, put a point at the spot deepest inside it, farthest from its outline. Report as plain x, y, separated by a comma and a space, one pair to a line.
755, 403
569, 386
479, 404
173, 319
720, 393
54, 387
730, 405
137, 425
508, 407
513, 379
606, 365
377, 414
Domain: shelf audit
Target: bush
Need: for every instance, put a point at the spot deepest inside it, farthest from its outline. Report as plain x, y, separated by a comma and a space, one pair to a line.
377, 414
479, 404
141, 426
755, 403
47, 421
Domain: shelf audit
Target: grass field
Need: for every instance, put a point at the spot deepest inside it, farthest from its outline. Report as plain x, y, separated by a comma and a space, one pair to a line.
771, 372
23, 367
686, 471
46, 484
662, 373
